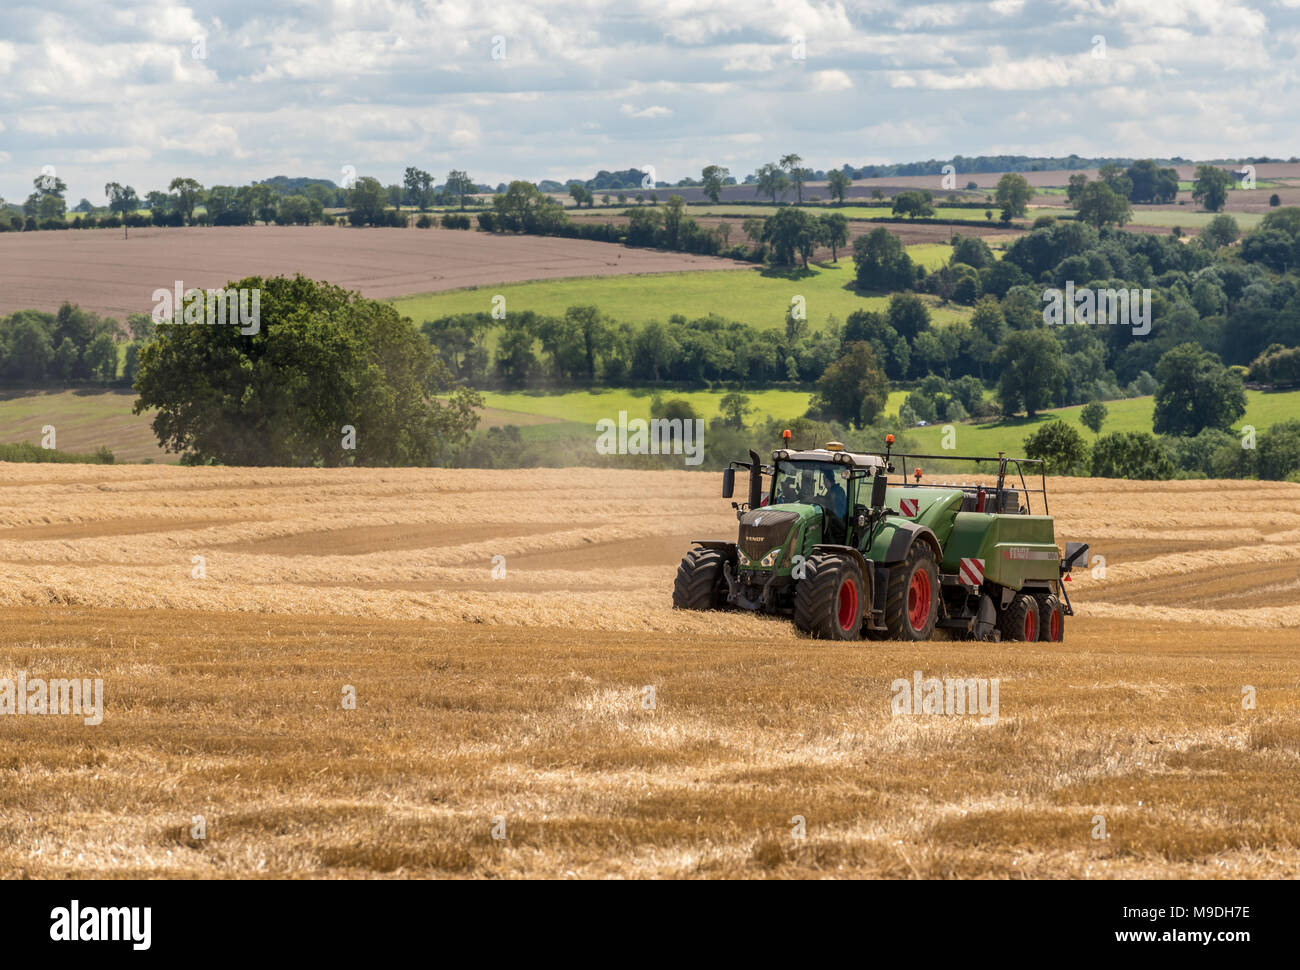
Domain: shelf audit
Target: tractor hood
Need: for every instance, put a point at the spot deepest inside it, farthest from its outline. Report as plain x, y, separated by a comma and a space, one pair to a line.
765, 531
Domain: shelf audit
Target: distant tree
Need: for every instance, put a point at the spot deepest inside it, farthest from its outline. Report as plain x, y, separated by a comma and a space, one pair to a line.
833, 231
1059, 445
188, 193
101, 358
712, 181
1275, 200
853, 389
1116, 179
1032, 371
121, 198
295, 210
837, 183
1075, 188
367, 202
734, 407
1211, 187
1222, 230
459, 185
1014, 192
791, 163
771, 181
1093, 416
914, 204
417, 188
1130, 454
674, 220
1196, 391
881, 262
908, 315
578, 192
1150, 183
790, 232
1100, 205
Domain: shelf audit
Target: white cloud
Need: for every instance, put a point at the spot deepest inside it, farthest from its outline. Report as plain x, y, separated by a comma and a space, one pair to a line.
112, 91
653, 111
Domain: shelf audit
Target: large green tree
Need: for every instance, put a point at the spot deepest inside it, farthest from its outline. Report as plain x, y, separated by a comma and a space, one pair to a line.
1196, 391
1013, 193
1211, 187
1032, 371
853, 389
712, 180
322, 359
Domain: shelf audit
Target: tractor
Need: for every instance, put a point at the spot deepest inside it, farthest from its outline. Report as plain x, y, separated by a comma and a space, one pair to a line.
849, 553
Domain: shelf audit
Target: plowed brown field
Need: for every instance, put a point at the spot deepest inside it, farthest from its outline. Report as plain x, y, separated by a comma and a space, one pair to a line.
520, 703
102, 271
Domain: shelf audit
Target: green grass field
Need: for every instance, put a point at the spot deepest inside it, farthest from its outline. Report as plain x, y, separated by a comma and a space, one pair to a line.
588, 407
1133, 414
759, 298
1189, 218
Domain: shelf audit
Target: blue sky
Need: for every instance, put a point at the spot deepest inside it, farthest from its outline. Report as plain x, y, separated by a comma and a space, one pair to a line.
118, 92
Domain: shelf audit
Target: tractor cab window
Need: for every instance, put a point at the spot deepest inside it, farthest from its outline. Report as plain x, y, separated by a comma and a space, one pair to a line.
813, 483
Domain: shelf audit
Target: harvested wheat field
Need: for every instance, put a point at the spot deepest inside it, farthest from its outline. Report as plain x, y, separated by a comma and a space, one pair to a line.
102, 271
521, 706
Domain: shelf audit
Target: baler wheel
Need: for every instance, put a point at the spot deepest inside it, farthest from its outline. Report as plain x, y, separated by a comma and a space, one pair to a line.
1051, 618
912, 598
1020, 619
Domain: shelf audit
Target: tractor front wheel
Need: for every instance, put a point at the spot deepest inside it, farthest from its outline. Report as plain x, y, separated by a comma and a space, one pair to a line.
1020, 619
912, 599
829, 601
700, 584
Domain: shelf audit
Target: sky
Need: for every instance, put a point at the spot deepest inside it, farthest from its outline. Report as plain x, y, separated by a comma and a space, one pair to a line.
141, 91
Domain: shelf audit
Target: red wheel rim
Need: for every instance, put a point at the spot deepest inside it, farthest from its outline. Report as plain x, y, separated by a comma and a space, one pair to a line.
918, 600
1031, 625
1055, 626
848, 609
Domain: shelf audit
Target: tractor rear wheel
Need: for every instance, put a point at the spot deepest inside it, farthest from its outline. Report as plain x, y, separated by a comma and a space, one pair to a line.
912, 598
700, 584
1020, 619
829, 601
1051, 618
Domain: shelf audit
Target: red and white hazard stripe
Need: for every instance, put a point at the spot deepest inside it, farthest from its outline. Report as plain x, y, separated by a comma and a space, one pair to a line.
908, 507
971, 572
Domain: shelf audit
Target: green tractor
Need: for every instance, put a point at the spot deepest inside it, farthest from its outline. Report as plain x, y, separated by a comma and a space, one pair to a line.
850, 554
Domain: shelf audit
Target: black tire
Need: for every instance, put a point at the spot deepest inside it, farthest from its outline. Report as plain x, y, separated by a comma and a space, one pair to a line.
829, 602
912, 597
1051, 618
700, 584
1019, 620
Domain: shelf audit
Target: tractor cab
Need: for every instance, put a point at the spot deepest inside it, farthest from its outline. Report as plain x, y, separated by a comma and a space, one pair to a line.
821, 480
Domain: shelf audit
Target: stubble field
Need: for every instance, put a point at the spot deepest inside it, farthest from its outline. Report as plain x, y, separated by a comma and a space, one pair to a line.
564, 706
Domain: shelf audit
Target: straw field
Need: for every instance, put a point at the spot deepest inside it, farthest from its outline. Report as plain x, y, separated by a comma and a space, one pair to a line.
527, 704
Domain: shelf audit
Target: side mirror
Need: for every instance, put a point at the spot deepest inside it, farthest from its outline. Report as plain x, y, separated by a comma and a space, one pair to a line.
878, 486
728, 482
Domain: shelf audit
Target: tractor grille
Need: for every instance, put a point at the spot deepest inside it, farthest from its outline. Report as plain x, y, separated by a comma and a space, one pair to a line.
761, 531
